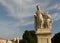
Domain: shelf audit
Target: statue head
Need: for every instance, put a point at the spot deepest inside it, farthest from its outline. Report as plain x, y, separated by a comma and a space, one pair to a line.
38, 7
48, 15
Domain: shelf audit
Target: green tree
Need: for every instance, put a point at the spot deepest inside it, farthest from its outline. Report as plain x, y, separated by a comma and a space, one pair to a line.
23, 41
56, 38
29, 37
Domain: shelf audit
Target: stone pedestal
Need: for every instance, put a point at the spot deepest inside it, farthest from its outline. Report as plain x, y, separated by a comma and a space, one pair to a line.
43, 36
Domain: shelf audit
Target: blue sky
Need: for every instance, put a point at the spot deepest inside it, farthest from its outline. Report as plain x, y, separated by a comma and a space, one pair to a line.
16, 16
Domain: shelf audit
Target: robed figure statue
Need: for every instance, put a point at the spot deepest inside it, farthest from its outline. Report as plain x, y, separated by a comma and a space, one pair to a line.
41, 20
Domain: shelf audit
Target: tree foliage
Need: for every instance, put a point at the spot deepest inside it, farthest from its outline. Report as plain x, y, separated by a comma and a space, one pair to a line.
29, 37
56, 38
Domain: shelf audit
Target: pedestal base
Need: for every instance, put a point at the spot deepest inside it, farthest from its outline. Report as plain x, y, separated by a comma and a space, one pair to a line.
43, 36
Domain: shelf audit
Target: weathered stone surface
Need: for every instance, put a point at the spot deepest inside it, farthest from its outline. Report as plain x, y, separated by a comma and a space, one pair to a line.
42, 20
43, 24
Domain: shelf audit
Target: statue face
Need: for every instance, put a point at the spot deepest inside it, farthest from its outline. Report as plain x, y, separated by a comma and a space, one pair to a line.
38, 7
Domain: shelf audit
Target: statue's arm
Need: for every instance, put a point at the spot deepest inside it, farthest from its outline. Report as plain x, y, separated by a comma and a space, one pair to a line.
35, 20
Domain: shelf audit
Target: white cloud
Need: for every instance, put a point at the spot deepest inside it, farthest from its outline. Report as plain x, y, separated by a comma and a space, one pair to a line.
21, 8
9, 30
55, 16
52, 7
17, 8
55, 6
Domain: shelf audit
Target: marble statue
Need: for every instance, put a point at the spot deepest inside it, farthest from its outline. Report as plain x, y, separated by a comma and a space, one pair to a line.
43, 24
38, 18
41, 20
49, 21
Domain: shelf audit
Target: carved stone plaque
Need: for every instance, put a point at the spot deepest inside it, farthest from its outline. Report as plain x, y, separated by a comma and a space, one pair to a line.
44, 40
